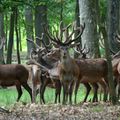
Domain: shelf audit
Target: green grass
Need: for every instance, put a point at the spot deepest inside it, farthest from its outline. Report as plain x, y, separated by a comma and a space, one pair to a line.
8, 96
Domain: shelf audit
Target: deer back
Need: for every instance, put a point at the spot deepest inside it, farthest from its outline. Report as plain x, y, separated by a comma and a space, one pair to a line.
92, 67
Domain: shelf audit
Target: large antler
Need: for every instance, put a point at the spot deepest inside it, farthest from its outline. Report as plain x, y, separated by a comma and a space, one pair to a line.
81, 29
68, 38
36, 45
43, 42
118, 38
82, 51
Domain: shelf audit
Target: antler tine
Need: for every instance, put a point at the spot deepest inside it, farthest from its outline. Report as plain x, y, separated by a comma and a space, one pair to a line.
60, 30
82, 29
73, 25
101, 43
41, 39
30, 40
82, 49
52, 38
118, 37
88, 50
112, 51
66, 30
75, 49
56, 34
67, 27
32, 51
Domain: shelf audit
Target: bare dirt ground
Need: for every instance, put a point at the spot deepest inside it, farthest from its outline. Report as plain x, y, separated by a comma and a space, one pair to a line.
86, 111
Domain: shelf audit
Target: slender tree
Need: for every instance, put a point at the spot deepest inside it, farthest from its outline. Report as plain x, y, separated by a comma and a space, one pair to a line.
6, 29
113, 23
111, 33
17, 34
1, 36
40, 22
11, 34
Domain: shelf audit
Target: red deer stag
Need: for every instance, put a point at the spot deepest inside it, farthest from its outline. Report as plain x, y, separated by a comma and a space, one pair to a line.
68, 69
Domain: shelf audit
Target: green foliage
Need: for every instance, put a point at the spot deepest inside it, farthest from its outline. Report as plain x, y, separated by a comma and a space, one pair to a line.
53, 13
54, 10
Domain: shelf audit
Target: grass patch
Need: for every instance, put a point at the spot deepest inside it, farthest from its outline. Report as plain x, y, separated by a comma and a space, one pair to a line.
8, 96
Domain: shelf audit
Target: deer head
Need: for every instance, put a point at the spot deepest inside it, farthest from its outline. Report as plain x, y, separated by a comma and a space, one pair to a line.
65, 42
82, 51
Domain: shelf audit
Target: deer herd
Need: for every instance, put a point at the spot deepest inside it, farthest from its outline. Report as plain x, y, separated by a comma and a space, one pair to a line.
55, 67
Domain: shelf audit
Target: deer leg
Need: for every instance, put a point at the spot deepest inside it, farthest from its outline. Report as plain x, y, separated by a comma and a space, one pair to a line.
57, 91
34, 86
70, 92
26, 86
59, 84
118, 90
95, 87
64, 93
104, 86
19, 90
42, 91
76, 90
88, 88
56, 96
117, 86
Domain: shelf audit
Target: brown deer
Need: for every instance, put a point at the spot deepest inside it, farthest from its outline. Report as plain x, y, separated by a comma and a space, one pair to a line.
54, 55
116, 67
94, 71
45, 79
14, 75
82, 54
68, 69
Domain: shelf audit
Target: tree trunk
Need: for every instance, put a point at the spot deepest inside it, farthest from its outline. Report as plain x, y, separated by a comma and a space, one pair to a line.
6, 30
17, 35
40, 22
29, 28
111, 28
113, 23
19, 32
88, 15
77, 19
119, 16
1, 36
11, 33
